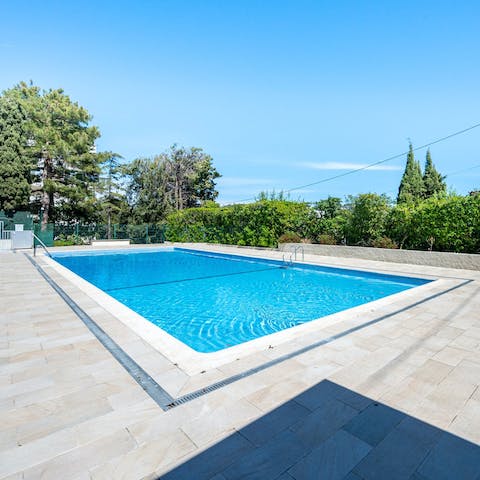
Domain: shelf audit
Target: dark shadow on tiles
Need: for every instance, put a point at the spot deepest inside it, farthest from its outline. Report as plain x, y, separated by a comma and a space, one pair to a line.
330, 432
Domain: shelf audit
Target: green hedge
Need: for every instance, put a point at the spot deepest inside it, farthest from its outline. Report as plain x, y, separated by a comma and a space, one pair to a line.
256, 224
443, 224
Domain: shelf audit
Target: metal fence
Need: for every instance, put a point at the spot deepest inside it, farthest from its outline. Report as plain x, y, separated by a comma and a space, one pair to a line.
18, 218
83, 234
78, 233
46, 235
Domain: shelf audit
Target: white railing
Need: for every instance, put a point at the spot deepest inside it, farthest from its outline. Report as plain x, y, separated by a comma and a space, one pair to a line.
5, 238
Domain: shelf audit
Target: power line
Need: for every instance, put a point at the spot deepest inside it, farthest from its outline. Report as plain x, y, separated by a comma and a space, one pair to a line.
456, 172
365, 167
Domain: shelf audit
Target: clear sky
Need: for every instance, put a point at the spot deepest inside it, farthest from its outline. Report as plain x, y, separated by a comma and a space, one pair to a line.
280, 93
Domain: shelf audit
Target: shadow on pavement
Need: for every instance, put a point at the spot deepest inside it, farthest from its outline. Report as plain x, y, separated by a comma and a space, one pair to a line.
331, 432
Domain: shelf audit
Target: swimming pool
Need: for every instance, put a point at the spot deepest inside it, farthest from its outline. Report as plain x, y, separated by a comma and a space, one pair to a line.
211, 301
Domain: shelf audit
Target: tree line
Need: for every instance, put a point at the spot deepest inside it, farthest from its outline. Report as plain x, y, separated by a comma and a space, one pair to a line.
49, 166
424, 217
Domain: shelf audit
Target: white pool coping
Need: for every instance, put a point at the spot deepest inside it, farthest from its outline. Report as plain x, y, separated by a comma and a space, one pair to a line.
193, 362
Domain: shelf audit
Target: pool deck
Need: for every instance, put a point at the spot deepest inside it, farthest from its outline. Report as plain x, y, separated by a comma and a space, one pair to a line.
392, 394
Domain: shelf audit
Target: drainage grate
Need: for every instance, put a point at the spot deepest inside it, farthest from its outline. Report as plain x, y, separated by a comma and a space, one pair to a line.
203, 391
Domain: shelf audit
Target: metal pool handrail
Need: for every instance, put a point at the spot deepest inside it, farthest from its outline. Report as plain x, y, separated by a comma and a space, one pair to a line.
293, 255
41, 244
296, 249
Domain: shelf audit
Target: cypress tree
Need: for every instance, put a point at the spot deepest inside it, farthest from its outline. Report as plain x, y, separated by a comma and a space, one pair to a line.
432, 180
411, 188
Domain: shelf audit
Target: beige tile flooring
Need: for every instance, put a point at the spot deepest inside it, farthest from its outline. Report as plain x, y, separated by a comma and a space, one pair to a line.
68, 409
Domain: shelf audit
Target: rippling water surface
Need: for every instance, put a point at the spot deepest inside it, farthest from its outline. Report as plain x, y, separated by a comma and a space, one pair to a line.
213, 301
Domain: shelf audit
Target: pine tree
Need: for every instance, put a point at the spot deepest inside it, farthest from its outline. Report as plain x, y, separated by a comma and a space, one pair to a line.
432, 180
61, 143
15, 164
411, 188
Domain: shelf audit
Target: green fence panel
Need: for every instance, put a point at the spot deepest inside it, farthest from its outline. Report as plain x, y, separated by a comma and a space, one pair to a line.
7, 222
46, 235
155, 233
121, 232
84, 234
25, 219
18, 218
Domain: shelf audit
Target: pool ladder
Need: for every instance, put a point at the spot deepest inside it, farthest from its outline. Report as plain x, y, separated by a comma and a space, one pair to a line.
40, 242
293, 256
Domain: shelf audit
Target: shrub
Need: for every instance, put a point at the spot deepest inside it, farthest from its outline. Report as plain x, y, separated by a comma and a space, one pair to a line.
63, 243
290, 237
367, 220
447, 224
399, 224
326, 239
384, 242
68, 240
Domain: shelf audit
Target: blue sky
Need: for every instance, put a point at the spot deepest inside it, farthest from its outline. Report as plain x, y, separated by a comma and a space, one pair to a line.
280, 93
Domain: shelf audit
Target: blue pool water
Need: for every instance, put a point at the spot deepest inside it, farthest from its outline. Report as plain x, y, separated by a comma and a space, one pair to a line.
213, 301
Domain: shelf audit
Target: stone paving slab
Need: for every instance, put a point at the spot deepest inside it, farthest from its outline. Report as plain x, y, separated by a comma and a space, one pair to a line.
401, 452
333, 459
374, 423
451, 458
395, 399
